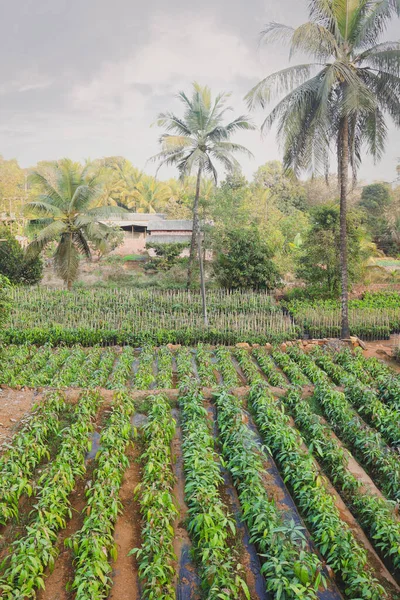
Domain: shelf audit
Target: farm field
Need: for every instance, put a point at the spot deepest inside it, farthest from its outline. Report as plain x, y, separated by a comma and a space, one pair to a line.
137, 317
145, 473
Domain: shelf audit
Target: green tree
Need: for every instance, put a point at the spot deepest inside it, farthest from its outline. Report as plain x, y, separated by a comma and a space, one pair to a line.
375, 200
282, 188
167, 255
319, 259
195, 142
13, 262
5, 299
65, 211
340, 99
243, 261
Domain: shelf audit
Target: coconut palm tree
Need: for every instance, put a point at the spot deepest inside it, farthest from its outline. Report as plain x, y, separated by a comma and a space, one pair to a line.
340, 100
193, 142
65, 211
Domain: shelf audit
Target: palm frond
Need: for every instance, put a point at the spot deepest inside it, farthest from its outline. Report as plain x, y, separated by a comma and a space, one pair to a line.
278, 83
42, 208
316, 40
66, 258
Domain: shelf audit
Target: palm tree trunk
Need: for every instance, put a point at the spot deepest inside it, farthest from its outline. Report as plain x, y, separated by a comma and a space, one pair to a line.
343, 151
202, 278
195, 229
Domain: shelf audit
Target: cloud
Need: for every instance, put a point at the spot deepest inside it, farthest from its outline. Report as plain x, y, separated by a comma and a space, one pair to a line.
179, 50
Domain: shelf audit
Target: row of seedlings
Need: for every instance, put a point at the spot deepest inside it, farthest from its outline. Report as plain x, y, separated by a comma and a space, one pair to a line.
99, 376
248, 366
205, 367
230, 377
29, 447
165, 370
144, 377
366, 443
88, 366
380, 416
122, 371
269, 368
290, 368
93, 545
184, 366
289, 568
70, 368
332, 536
375, 514
38, 361
13, 359
45, 376
307, 365
23, 568
156, 554
210, 525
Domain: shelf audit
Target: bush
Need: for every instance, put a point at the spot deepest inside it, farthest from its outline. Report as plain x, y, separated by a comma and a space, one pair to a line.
243, 261
167, 255
13, 263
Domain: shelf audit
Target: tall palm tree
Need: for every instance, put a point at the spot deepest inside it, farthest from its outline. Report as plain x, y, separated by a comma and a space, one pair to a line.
195, 141
338, 101
65, 211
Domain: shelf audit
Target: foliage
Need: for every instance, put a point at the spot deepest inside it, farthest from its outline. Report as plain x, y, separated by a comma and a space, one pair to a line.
164, 372
93, 545
243, 261
319, 259
290, 368
248, 366
367, 445
221, 573
376, 514
230, 377
268, 367
14, 264
332, 536
29, 447
290, 570
167, 255
65, 210
144, 376
205, 367
156, 555
375, 199
5, 299
23, 569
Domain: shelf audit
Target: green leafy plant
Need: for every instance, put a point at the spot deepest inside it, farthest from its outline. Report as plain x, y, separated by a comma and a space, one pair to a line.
332, 536
290, 570
274, 377
23, 568
290, 368
144, 376
165, 373
94, 545
205, 366
156, 554
226, 367
122, 371
28, 448
248, 366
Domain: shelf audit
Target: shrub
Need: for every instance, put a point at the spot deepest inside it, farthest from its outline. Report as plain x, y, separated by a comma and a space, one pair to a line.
14, 264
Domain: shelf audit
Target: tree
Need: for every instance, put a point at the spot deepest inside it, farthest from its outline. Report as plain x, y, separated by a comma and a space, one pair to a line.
12, 184
63, 212
5, 299
167, 255
197, 140
319, 259
281, 188
340, 99
243, 261
13, 262
375, 200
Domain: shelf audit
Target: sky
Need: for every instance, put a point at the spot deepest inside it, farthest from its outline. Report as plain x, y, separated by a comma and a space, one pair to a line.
87, 78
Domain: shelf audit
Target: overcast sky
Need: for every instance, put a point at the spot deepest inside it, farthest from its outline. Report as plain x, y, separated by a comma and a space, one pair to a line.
87, 78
